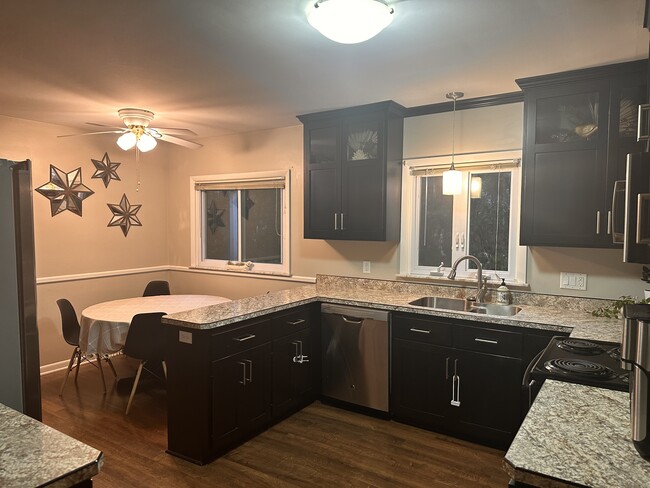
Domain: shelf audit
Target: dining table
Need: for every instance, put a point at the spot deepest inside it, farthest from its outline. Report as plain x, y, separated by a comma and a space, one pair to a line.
104, 326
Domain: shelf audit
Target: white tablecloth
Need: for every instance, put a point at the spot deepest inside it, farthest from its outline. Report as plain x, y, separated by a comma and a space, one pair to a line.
104, 326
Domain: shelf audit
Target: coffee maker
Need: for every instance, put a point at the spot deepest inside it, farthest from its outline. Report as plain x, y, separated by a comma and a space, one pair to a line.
635, 357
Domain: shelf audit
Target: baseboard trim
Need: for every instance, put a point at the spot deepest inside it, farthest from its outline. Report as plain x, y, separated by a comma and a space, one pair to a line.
54, 367
99, 274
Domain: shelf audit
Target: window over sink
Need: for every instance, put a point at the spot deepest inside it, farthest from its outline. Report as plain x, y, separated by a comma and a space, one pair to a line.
482, 221
240, 222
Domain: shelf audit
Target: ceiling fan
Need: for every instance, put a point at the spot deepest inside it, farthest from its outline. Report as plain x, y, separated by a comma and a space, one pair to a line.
138, 134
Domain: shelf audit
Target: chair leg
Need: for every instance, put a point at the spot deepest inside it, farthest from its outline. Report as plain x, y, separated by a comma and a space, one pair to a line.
76, 373
135, 385
101, 371
67, 373
110, 363
164, 367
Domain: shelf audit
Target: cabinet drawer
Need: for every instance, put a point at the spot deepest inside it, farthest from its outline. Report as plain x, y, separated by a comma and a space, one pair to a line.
240, 339
293, 321
499, 342
427, 331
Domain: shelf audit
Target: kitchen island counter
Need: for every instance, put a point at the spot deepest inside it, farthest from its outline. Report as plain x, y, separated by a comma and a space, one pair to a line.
577, 435
33, 454
564, 314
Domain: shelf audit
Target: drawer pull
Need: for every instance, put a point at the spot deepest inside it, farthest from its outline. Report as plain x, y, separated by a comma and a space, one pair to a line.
421, 331
296, 322
488, 341
244, 338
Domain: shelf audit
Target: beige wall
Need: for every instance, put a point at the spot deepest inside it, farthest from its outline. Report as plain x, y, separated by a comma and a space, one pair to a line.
68, 244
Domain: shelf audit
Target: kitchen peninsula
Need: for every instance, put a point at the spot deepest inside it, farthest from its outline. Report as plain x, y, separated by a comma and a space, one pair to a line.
539, 313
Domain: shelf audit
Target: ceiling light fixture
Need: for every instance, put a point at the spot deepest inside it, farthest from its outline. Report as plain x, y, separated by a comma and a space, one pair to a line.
350, 21
452, 179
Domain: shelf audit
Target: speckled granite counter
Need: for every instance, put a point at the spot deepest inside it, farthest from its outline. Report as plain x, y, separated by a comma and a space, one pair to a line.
33, 454
538, 311
577, 435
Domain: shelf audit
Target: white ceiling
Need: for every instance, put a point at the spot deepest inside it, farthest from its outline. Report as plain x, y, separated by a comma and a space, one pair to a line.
222, 66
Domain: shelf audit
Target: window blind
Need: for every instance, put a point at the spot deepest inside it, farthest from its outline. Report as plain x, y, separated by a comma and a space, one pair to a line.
438, 168
243, 184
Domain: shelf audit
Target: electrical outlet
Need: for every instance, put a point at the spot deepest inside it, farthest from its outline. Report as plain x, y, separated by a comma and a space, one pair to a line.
573, 281
366, 267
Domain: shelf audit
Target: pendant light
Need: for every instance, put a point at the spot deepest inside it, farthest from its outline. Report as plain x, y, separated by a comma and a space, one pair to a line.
452, 179
350, 21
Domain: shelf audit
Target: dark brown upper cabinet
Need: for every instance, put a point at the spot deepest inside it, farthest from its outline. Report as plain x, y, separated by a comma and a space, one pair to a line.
579, 127
352, 170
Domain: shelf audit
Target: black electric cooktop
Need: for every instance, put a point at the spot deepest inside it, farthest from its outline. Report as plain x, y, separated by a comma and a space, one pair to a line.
582, 361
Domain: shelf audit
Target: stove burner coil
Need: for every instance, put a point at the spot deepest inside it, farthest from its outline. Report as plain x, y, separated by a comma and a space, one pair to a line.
579, 368
581, 346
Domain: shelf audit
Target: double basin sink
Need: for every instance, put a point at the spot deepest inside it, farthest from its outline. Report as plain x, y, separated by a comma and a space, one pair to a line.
462, 305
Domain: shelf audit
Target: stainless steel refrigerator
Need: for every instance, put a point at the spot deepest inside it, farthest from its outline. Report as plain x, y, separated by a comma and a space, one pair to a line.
20, 382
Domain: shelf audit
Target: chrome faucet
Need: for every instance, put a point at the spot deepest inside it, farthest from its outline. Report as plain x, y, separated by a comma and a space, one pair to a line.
481, 285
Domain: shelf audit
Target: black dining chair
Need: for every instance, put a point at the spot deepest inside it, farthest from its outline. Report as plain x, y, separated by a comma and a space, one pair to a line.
155, 288
145, 341
71, 329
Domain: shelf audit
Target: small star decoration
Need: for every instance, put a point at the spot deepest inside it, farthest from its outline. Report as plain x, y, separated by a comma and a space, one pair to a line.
124, 215
65, 191
215, 217
106, 170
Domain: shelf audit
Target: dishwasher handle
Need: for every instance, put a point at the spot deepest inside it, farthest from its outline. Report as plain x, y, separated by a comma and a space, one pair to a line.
354, 313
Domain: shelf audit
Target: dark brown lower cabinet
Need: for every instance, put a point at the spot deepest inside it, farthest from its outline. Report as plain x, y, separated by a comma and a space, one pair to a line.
241, 395
292, 373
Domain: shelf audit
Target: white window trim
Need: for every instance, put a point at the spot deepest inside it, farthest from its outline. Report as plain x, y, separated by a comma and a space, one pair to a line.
411, 215
196, 224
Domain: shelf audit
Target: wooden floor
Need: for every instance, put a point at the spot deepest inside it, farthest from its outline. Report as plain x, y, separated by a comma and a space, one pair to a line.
319, 446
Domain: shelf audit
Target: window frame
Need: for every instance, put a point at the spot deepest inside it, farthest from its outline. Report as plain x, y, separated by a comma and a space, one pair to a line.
198, 216
411, 185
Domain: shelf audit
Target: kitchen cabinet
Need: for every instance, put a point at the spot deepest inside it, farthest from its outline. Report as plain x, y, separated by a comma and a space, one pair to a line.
227, 384
352, 172
578, 128
456, 378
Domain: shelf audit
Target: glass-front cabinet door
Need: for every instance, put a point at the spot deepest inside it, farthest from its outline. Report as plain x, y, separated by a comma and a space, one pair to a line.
568, 118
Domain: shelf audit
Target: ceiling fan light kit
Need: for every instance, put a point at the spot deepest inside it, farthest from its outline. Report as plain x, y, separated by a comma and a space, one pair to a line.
350, 21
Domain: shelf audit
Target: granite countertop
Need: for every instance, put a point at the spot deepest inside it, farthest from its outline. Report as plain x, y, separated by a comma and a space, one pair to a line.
537, 311
33, 454
577, 435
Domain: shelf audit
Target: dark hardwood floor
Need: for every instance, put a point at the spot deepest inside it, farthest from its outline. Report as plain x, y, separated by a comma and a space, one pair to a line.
319, 446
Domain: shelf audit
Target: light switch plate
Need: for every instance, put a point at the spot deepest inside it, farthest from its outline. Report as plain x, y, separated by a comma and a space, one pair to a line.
573, 281
366, 267
184, 336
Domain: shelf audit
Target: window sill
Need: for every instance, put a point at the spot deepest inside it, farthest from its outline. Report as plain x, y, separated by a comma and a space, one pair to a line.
242, 271
466, 281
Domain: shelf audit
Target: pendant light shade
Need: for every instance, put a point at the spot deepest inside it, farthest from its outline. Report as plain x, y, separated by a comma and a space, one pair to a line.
452, 179
127, 141
350, 21
146, 142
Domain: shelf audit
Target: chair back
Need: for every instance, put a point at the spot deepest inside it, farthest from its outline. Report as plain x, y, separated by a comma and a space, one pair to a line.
155, 288
145, 339
69, 322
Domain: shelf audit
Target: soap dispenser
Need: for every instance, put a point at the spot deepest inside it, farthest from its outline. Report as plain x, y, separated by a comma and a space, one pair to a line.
503, 293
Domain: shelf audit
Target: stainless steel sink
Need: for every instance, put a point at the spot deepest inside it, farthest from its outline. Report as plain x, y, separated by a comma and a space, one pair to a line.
441, 303
495, 309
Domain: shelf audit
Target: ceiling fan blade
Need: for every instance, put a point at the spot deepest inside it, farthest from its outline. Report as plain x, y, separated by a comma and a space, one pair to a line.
95, 133
103, 125
174, 130
180, 142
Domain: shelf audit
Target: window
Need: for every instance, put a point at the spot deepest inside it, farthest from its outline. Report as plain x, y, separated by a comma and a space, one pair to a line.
241, 222
483, 221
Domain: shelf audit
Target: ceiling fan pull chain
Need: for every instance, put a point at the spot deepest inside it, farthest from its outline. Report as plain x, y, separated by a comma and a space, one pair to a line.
137, 168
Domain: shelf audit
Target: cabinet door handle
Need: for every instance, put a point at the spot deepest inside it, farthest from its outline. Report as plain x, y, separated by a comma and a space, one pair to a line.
243, 380
455, 391
342, 227
619, 187
250, 370
598, 222
609, 222
420, 331
244, 338
447, 368
643, 125
488, 341
642, 231
296, 322
457, 240
336, 221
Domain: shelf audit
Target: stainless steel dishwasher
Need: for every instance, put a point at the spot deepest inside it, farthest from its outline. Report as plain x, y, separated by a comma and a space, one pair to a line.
355, 355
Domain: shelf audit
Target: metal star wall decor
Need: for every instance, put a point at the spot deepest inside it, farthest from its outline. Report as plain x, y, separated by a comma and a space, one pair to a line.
124, 215
106, 170
248, 204
65, 191
215, 217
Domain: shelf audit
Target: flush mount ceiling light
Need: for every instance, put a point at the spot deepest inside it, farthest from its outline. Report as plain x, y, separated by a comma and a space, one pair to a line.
452, 179
350, 21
